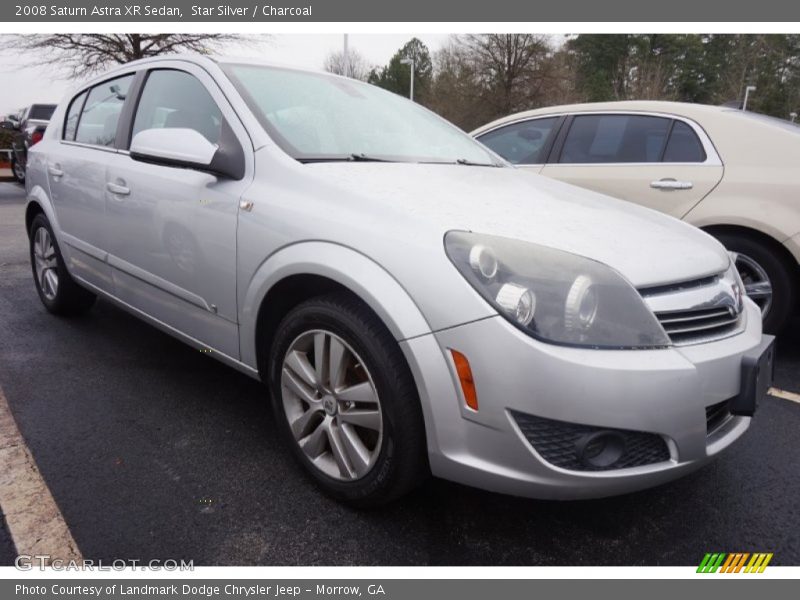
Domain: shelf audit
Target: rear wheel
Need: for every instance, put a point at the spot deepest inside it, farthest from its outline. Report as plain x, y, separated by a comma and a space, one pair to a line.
346, 401
769, 279
57, 290
17, 170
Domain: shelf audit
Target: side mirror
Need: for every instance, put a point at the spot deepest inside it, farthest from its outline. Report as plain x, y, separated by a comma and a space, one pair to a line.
187, 148
173, 147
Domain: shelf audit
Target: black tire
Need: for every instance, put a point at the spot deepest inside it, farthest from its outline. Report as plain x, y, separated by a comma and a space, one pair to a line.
69, 298
401, 462
17, 170
782, 273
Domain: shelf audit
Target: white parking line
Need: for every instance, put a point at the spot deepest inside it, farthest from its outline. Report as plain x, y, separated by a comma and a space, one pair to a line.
784, 395
32, 516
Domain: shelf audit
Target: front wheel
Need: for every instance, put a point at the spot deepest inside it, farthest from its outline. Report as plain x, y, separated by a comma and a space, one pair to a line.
346, 402
769, 279
57, 290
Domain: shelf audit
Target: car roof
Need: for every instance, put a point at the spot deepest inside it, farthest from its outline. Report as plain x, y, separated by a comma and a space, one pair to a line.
683, 109
205, 60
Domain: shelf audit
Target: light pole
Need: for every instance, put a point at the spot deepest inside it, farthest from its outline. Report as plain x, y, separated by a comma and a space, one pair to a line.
747, 90
409, 61
346, 58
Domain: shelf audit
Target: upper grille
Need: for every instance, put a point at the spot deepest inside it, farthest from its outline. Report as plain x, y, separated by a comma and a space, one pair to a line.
692, 326
696, 311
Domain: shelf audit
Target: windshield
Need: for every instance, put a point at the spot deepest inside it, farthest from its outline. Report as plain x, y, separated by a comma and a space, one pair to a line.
313, 116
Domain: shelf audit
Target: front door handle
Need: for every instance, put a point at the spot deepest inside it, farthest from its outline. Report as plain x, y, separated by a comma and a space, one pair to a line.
117, 189
670, 184
55, 170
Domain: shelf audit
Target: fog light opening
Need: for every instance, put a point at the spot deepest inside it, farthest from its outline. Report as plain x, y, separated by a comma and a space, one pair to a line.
464, 372
600, 450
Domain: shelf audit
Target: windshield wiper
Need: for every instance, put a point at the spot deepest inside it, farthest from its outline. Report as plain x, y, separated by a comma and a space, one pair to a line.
469, 163
361, 157
353, 157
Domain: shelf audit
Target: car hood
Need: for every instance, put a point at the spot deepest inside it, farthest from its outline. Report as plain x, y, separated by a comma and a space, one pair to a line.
645, 246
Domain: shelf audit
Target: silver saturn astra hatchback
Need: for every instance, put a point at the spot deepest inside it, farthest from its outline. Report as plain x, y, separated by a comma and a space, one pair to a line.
413, 303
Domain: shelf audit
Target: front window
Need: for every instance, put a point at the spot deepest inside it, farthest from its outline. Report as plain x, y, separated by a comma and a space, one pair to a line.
522, 143
177, 99
313, 116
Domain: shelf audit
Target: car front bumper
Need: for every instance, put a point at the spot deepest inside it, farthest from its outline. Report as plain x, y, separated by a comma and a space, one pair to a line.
663, 392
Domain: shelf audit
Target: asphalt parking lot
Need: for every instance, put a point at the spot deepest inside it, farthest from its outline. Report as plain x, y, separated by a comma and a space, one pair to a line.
154, 451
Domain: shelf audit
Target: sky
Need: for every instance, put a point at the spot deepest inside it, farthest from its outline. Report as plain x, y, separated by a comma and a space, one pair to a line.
22, 83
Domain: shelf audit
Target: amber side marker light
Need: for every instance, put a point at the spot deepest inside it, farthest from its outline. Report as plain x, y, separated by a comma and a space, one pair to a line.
465, 377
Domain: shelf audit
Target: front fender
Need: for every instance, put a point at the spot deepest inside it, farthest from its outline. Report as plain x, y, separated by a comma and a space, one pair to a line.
355, 271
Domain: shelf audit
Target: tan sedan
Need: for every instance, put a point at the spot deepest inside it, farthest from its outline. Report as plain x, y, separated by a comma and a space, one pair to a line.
735, 174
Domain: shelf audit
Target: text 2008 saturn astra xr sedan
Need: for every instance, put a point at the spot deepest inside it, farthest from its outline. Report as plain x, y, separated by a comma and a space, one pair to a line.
413, 304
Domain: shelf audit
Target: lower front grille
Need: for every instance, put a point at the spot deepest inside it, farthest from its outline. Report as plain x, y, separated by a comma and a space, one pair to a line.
717, 415
584, 448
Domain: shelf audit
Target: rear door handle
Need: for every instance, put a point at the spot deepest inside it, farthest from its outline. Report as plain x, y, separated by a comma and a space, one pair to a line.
55, 170
119, 190
671, 184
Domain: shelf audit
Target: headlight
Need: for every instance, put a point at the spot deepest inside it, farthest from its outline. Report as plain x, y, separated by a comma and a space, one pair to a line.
553, 295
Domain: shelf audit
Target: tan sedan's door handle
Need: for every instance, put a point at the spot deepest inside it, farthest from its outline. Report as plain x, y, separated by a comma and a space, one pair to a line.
55, 170
669, 184
119, 190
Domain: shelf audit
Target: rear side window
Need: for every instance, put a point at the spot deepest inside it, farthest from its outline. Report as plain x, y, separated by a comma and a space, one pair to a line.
177, 99
615, 139
100, 115
42, 112
73, 112
521, 143
684, 146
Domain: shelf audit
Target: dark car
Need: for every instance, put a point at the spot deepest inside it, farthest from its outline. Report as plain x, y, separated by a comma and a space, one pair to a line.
30, 129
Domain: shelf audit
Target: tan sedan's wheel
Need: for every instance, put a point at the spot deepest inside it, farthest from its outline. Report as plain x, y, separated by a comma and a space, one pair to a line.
346, 402
756, 281
770, 279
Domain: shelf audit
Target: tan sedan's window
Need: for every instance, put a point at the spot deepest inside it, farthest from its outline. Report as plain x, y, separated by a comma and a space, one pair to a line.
615, 139
683, 145
521, 143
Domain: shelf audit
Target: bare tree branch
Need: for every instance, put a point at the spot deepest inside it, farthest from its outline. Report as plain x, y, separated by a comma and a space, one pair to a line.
80, 55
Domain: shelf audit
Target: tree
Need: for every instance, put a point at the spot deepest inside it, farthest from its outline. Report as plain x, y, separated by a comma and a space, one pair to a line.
396, 76
481, 77
509, 67
358, 67
81, 54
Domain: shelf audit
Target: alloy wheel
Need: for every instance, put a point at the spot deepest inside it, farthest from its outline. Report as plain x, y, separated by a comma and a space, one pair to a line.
46, 262
332, 405
19, 172
757, 284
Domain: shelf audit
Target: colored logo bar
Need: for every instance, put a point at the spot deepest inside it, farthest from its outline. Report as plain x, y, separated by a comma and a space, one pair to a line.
735, 562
